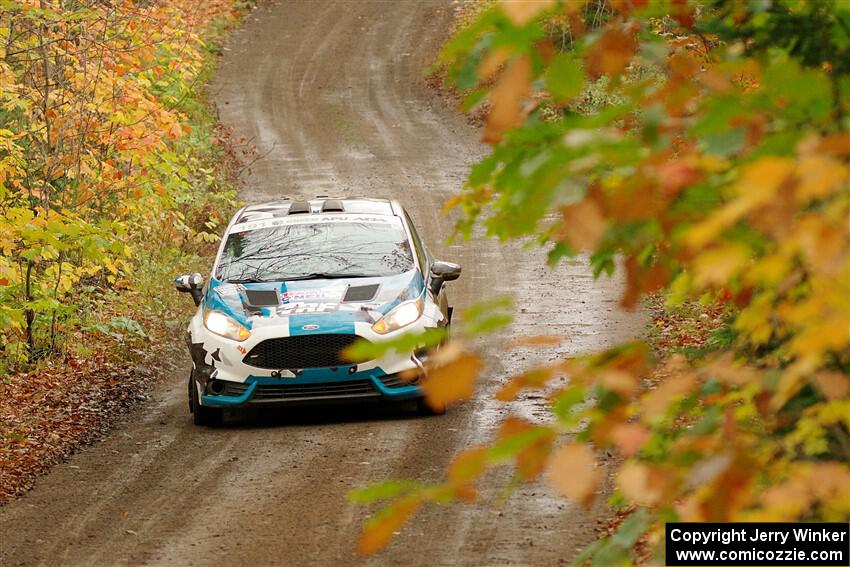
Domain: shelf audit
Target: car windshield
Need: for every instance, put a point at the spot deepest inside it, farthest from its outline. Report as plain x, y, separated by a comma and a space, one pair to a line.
316, 249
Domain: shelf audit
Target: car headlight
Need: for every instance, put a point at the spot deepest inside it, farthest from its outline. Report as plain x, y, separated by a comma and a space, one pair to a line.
401, 316
225, 326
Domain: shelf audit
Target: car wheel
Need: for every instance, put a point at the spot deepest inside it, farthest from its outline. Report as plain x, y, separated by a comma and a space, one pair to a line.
203, 415
423, 408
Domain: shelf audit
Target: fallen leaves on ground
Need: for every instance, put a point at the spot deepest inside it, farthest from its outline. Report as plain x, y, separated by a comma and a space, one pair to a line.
48, 413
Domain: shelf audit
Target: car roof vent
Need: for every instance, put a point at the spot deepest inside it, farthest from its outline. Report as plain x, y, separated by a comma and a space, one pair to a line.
332, 205
299, 207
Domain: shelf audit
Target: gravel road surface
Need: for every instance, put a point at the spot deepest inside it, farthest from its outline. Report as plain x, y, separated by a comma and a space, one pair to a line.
333, 95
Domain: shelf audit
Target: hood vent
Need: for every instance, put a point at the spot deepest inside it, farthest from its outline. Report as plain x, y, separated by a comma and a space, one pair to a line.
356, 294
261, 298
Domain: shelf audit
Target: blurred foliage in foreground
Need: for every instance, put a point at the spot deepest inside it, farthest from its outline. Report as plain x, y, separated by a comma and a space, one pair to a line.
108, 172
707, 145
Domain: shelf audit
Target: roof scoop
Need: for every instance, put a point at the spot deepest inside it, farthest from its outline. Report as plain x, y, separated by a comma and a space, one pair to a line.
332, 206
299, 208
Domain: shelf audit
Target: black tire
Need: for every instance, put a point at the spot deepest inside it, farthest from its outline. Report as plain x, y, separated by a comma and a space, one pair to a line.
423, 408
203, 415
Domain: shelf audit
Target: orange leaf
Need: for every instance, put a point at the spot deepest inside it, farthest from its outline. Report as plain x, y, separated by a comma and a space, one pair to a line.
583, 225
379, 530
644, 485
493, 62
573, 473
669, 391
506, 98
618, 381
727, 371
468, 465
819, 176
532, 460
629, 437
611, 53
834, 385
452, 203
534, 378
537, 340
521, 12
453, 381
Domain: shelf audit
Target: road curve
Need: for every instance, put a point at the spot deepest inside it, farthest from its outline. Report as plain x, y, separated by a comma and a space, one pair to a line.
333, 95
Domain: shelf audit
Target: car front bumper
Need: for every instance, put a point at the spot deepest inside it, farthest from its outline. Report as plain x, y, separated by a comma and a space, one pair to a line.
317, 385
222, 361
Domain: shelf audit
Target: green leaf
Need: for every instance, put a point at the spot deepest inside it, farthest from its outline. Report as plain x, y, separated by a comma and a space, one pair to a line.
408, 342
565, 77
382, 491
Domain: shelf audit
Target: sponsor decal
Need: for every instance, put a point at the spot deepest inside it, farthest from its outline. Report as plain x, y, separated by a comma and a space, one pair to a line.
241, 349
308, 294
300, 307
229, 290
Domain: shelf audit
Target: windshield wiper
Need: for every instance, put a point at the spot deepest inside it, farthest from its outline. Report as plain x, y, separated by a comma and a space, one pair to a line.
321, 276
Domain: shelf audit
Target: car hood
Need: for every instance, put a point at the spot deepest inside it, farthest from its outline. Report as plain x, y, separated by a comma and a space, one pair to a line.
318, 305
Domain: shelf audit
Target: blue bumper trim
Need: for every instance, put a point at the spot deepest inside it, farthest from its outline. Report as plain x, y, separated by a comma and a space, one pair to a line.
399, 393
375, 374
229, 401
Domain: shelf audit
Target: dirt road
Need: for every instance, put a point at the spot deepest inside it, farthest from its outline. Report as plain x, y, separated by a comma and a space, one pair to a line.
333, 95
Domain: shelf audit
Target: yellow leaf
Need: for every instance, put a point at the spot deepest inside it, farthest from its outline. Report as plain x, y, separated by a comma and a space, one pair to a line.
573, 473
758, 184
761, 180
819, 176
719, 265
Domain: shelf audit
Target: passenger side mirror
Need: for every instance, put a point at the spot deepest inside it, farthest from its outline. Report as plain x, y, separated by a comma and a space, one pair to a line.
442, 272
190, 283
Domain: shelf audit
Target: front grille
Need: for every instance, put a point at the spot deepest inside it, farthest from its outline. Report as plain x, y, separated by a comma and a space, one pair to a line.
305, 351
326, 390
318, 391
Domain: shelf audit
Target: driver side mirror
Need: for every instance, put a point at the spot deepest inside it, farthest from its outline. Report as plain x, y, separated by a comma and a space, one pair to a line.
190, 283
442, 272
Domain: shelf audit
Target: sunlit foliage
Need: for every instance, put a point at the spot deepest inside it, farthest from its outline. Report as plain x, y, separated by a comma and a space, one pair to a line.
98, 163
704, 148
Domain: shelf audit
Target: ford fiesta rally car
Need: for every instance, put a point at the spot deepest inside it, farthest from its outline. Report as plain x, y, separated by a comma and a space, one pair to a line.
293, 285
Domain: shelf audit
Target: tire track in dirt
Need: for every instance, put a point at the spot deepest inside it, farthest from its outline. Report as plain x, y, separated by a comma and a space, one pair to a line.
333, 94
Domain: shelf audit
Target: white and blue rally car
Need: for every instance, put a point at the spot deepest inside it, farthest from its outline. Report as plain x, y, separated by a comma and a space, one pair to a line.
293, 285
